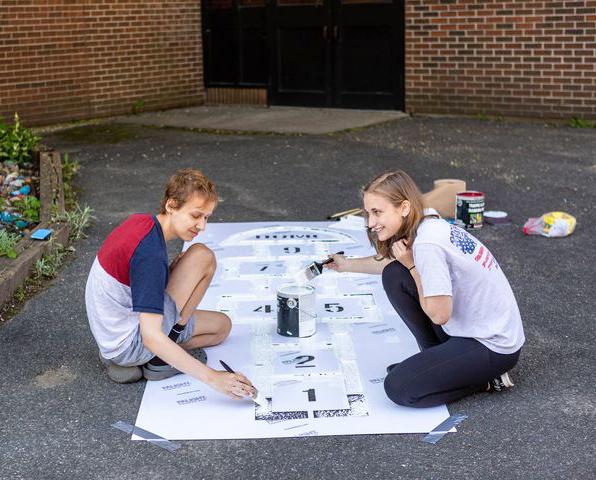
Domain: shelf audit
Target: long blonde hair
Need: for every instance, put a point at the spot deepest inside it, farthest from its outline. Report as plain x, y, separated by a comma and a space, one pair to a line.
396, 187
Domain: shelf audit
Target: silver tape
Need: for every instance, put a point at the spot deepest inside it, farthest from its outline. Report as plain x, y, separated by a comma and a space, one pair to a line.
145, 435
443, 428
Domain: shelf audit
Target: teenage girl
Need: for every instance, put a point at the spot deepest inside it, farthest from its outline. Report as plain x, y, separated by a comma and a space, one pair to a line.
448, 289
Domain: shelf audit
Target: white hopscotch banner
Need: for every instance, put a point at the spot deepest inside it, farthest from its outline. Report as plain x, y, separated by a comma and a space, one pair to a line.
327, 384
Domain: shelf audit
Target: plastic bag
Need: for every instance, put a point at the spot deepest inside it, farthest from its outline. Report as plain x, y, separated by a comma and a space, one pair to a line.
551, 224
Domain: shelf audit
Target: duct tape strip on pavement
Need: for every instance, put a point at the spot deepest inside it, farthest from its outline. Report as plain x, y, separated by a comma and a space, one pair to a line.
443, 428
145, 435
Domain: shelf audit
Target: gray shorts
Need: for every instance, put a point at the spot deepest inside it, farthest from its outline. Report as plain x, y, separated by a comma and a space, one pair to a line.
137, 353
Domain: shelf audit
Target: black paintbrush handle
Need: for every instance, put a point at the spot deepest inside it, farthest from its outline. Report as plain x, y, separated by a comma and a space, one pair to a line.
329, 260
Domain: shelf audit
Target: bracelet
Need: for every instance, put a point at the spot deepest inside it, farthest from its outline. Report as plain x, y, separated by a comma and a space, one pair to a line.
410, 269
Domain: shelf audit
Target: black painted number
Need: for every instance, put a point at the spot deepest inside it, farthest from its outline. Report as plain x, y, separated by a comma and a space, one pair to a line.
333, 308
302, 360
291, 250
312, 397
263, 308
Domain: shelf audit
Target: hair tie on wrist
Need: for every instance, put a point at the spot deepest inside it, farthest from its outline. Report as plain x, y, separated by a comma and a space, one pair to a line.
410, 269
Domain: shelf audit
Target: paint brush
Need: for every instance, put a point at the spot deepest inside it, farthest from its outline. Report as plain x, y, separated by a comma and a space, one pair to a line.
313, 270
258, 398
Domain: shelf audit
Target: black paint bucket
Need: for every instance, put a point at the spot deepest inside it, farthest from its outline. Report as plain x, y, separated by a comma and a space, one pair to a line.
296, 310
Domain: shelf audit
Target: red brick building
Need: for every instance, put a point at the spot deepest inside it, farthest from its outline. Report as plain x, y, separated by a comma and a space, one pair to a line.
64, 59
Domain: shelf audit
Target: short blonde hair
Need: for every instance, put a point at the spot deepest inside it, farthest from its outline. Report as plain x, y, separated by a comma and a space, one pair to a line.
185, 183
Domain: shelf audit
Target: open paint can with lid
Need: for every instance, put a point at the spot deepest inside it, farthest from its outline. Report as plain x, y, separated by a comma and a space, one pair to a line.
296, 310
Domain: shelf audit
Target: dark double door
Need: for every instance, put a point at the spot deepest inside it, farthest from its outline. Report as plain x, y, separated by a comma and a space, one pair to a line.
322, 53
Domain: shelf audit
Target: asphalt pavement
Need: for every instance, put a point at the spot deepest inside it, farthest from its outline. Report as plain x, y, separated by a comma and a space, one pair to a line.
57, 404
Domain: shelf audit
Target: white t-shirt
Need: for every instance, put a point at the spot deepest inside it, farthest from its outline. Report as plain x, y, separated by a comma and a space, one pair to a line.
452, 262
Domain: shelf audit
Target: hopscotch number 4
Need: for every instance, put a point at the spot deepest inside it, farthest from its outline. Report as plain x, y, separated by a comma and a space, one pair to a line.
263, 309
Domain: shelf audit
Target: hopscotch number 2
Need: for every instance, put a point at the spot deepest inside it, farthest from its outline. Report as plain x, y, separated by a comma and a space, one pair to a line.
301, 361
304, 359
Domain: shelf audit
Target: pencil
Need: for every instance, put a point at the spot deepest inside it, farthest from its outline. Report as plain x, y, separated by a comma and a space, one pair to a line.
226, 366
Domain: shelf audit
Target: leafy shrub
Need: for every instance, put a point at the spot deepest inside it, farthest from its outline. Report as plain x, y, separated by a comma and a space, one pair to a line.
29, 207
16, 142
8, 242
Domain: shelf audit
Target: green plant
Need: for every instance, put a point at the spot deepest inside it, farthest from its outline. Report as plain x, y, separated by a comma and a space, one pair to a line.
29, 207
8, 242
137, 106
581, 123
48, 266
69, 169
16, 142
78, 220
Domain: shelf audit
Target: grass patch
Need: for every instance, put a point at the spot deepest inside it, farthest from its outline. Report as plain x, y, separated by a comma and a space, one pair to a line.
581, 123
48, 266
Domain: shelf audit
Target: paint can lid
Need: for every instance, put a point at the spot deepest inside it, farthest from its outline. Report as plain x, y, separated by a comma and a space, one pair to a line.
293, 290
495, 214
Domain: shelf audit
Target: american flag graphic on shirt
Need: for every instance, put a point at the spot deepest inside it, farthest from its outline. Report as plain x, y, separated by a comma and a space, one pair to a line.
470, 246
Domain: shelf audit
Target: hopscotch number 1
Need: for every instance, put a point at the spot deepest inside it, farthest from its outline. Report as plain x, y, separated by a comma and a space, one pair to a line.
312, 397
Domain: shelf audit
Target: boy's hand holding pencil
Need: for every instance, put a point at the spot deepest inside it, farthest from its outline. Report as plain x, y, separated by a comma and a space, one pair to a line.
234, 385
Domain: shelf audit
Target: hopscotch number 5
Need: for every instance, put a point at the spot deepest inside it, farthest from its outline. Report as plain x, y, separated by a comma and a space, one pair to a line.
333, 308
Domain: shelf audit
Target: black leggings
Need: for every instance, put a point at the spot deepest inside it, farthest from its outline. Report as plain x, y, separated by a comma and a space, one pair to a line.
447, 368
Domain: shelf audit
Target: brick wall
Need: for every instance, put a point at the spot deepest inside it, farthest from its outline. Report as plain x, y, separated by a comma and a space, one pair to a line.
524, 58
70, 59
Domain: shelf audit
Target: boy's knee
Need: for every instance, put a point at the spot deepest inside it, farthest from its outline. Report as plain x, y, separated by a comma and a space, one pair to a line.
398, 391
203, 254
225, 326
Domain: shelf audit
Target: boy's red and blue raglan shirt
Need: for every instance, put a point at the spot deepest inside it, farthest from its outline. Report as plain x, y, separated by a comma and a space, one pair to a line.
129, 276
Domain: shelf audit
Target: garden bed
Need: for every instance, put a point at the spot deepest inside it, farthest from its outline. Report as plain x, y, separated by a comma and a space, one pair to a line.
50, 188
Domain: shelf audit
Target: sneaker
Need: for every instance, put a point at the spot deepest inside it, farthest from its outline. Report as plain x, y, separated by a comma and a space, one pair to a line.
120, 374
161, 372
501, 382
158, 372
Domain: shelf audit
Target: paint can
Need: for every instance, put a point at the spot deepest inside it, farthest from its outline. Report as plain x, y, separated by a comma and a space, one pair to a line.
469, 209
296, 310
